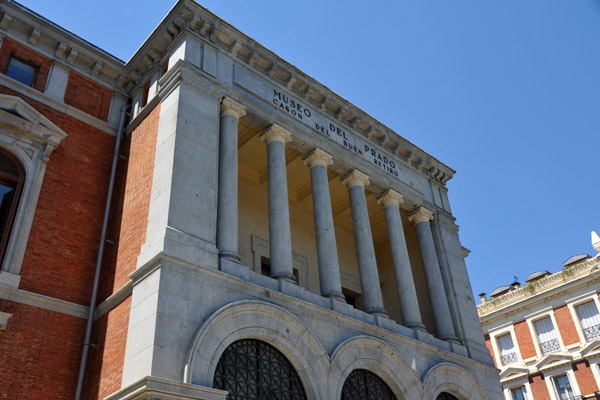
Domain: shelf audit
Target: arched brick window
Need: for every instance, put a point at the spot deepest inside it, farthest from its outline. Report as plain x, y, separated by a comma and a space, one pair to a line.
12, 177
364, 385
253, 370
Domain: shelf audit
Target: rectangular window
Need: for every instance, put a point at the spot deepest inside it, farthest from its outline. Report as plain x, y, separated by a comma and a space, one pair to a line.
546, 336
519, 393
508, 354
21, 71
563, 387
589, 318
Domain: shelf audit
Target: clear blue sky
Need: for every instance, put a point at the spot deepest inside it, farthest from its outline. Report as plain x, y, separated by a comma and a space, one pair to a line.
505, 92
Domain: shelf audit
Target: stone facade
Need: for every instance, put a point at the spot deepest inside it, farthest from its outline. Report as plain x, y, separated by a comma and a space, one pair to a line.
250, 203
546, 331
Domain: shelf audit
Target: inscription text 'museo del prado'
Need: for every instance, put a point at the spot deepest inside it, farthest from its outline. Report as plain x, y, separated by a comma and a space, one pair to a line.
333, 131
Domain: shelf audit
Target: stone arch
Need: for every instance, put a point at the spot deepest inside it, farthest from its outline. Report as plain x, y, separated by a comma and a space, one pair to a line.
377, 357
253, 319
450, 378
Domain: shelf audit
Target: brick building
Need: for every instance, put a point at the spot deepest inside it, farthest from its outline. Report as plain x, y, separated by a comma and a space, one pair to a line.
545, 336
265, 237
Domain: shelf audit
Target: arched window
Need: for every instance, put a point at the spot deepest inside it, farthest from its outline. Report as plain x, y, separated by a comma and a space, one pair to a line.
446, 396
364, 385
11, 183
253, 370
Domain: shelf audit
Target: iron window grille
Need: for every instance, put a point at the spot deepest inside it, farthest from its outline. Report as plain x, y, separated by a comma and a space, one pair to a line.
592, 332
509, 358
364, 385
549, 346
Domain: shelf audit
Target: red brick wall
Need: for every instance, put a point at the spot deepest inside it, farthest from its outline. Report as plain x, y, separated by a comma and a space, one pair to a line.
11, 48
40, 352
488, 344
525, 340
539, 390
566, 326
88, 96
105, 367
585, 378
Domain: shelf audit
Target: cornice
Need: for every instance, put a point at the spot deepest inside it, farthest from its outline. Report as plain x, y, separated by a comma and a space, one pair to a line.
189, 16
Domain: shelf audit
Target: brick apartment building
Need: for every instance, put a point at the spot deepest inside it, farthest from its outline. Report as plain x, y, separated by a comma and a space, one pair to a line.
265, 238
545, 336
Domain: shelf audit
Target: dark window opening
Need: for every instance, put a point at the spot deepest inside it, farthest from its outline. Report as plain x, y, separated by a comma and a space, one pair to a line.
364, 385
254, 370
265, 269
21, 71
446, 396
353, 298
11, 183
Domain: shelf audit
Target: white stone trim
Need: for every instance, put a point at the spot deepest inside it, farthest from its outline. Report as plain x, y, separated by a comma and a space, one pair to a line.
151, 387
42, 301
566, 370
590, 296
261, 248
516, 385
4, 317
510, 330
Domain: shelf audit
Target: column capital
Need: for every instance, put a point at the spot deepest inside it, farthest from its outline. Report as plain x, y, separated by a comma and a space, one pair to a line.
232, 108
355, 178
419, 215
317, 157
276, 133
390, 198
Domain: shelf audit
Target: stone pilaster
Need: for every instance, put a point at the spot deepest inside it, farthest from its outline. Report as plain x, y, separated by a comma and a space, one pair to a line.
227, 211
437, 292
407, 294
329, 269
279, 213
356, 181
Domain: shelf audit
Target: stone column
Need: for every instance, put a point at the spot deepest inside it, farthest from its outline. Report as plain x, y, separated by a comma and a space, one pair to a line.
441, 311
329, 269
227, 211
356, 181
279, 212
409, 304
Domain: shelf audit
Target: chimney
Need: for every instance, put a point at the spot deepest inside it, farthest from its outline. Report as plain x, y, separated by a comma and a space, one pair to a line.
483, 298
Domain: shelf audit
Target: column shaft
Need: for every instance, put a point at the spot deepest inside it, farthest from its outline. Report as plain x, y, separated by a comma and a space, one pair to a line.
279, 212
227, 211
365, 252
407, 294
433, 275
329, 269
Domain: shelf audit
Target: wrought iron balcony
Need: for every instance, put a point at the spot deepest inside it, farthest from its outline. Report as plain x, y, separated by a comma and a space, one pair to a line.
549, 346
592, 332
509, 358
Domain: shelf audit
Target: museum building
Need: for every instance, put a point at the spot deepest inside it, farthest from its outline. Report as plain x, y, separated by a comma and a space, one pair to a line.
265, 238
545, 335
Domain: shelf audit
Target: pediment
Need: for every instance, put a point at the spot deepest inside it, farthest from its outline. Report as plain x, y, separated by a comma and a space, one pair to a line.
20, 118
591, 349
510, 373
554, 360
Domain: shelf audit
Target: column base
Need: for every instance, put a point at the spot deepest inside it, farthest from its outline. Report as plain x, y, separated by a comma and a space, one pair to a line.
378, 312
230, 255
335, 296
451, 339
285, 277
418, 327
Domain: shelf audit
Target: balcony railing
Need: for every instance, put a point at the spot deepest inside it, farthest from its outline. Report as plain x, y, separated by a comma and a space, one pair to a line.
549, 346
509, 358
592, 332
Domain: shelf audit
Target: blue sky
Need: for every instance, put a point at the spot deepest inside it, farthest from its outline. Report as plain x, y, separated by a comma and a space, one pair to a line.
505, 92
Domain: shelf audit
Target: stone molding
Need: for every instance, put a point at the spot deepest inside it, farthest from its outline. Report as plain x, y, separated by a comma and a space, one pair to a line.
317, 157
276, 133
355, 178
450, 378
390, 198
420, 215
232, 108
151, 388
42, 301
4, 317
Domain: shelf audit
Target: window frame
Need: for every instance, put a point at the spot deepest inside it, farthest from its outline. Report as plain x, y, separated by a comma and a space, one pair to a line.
573, 303
18, 184
261, 248
30, 138
35, 66
564, 370
534, 335
509, 391
509, 330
